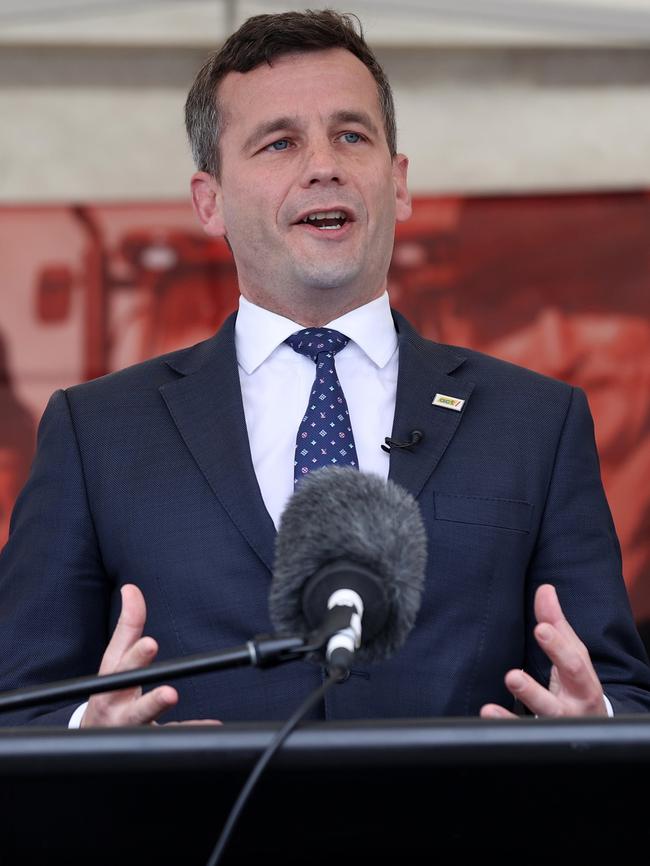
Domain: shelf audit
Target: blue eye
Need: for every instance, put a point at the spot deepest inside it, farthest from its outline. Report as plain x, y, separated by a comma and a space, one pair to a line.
352, 137
280, 144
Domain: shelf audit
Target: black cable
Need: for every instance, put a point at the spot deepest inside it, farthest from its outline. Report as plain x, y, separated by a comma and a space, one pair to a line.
335, 676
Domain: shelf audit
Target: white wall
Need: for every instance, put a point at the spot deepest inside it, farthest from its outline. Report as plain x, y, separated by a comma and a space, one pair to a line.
93, 109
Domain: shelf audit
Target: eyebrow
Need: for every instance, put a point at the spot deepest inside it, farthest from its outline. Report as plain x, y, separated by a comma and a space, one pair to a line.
268, 127
282, 124
360, 117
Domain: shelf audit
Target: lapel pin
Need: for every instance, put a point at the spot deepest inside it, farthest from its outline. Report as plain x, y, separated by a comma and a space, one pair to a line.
448, 402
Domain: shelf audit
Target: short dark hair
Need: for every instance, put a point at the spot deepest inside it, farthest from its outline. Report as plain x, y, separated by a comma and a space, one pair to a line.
259, 40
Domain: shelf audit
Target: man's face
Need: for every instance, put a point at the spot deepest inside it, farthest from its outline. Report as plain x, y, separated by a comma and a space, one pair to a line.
308, 194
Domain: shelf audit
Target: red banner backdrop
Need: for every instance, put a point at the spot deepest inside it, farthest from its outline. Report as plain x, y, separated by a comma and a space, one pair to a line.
559, 283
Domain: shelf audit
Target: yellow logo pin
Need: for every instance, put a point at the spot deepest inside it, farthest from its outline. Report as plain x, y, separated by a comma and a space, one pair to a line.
448, 402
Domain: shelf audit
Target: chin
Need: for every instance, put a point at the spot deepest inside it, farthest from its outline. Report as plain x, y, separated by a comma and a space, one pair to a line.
326, 278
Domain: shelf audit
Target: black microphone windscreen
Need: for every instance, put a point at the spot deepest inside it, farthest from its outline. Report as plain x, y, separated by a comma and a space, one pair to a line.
341, 513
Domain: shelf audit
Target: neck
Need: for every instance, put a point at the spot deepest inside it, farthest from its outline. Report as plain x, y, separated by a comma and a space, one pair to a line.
313, 312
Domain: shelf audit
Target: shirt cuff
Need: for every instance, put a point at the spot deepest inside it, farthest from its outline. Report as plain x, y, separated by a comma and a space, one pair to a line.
75, 719
608, 706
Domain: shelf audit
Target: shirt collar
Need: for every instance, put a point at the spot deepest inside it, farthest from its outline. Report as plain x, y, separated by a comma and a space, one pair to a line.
258, 332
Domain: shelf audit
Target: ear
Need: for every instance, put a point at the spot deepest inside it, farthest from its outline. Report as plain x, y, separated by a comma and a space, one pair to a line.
403, 208
207, 203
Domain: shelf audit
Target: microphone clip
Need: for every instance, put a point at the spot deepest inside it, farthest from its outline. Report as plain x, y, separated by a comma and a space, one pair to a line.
415, 437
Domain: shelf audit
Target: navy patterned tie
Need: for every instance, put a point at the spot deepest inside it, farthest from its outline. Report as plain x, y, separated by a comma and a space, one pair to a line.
325, 435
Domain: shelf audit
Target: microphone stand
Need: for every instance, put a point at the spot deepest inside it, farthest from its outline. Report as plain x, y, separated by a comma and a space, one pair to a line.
262, 651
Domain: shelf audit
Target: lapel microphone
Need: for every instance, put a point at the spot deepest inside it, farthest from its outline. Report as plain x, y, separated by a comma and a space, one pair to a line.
415, 437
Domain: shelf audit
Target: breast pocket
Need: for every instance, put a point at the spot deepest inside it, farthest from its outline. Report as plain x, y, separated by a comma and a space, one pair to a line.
512, 514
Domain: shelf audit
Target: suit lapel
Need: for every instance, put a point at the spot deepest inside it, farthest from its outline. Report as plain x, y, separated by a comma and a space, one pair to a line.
425, 370
206, 406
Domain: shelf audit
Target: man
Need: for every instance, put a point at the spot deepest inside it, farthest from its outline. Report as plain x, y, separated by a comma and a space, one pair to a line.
171, 474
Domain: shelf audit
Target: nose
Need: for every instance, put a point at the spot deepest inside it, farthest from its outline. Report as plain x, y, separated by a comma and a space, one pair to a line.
322, 166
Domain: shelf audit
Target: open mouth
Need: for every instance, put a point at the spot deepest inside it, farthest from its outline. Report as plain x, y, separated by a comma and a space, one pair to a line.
328, 220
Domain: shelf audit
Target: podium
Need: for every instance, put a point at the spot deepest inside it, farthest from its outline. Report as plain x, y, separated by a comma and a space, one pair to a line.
414, 791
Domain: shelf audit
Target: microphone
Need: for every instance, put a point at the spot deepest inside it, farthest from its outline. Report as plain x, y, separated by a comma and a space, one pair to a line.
351, 552
414, 437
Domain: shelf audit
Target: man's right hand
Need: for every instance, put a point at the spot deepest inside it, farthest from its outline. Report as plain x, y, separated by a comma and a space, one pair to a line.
128, 650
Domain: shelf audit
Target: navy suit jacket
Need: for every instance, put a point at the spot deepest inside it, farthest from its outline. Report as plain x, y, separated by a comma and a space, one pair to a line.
145, 476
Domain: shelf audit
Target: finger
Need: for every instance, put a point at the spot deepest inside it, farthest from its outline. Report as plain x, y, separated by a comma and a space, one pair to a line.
140, 655
494, 711
549, 610
128, 629
531, 694
569, 655
103, 706
148, 708
130, 710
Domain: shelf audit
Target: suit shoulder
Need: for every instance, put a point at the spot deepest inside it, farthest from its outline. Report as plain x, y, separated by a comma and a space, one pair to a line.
527, 404
515, 394
496, 370
145, 375
488, 371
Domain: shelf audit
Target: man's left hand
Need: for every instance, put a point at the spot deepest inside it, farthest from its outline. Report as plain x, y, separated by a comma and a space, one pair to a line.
574, 688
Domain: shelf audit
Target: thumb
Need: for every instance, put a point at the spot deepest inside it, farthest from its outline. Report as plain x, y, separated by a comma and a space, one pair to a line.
128, 629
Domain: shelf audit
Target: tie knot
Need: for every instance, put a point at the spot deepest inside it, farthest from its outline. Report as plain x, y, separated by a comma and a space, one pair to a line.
317, 341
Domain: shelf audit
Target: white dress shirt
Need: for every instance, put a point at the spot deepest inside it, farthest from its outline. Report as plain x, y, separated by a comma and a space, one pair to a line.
276, 384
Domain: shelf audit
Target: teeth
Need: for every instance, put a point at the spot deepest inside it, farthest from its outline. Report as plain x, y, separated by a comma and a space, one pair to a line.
325, 215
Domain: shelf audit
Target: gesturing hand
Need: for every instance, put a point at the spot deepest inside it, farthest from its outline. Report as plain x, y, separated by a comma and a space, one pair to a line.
127, 650
573, 688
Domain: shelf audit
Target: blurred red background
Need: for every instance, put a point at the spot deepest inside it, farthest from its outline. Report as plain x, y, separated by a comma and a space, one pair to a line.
559, 283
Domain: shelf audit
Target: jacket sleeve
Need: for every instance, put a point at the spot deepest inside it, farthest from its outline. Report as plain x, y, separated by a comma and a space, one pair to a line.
578, 552
54, 592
